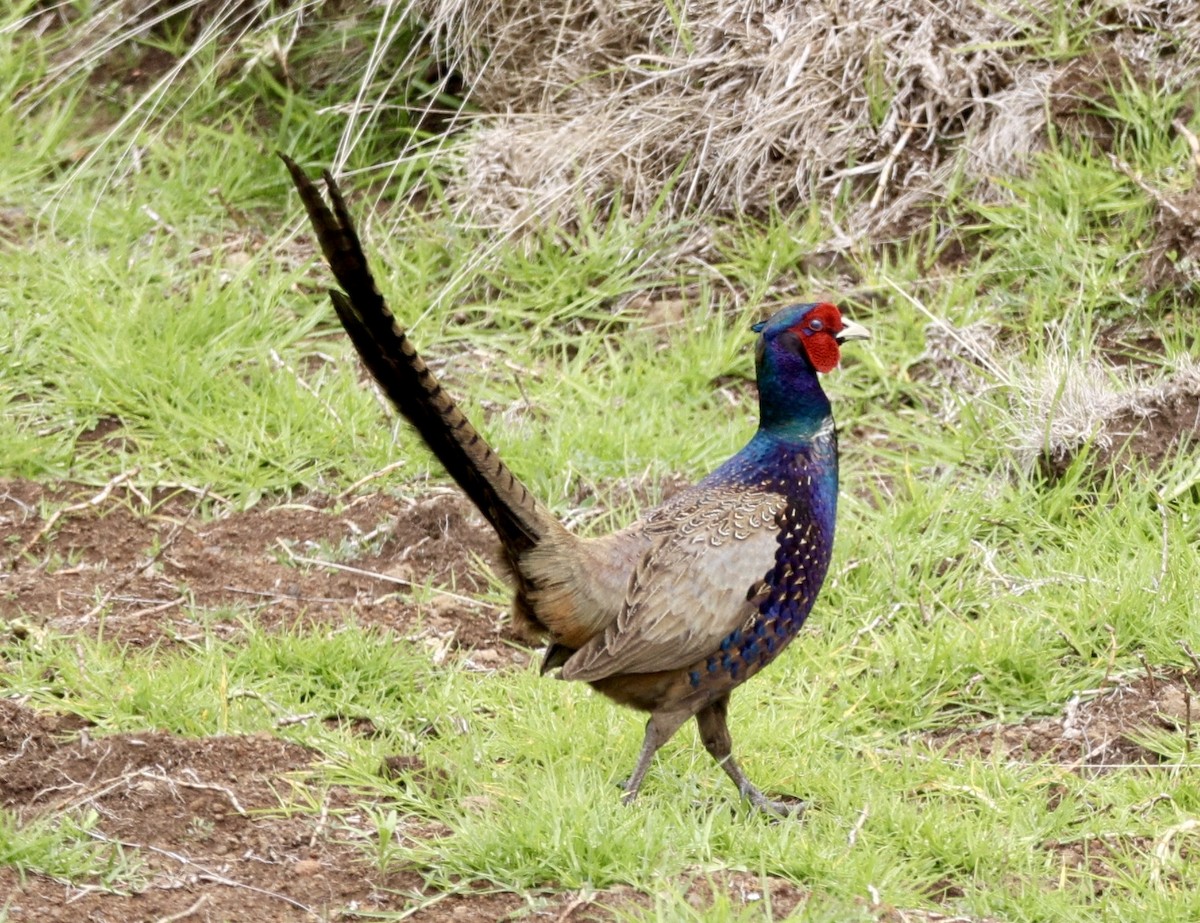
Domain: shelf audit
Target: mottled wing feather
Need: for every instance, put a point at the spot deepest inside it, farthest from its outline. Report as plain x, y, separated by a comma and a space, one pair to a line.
691, 588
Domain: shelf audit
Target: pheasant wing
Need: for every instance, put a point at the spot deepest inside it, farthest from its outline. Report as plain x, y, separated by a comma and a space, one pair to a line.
698, 582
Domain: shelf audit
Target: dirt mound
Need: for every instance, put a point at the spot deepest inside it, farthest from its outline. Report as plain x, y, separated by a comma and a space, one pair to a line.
1155, 430
206, 818
1128, 403
214, 826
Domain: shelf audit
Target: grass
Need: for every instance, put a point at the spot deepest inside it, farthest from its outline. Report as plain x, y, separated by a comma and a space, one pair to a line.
63, 848
965, 590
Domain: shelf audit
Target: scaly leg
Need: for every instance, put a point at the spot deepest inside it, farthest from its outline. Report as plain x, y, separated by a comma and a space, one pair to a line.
659, 729
714, 731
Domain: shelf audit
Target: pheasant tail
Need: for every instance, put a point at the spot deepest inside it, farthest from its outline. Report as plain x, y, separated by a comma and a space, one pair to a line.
519, 520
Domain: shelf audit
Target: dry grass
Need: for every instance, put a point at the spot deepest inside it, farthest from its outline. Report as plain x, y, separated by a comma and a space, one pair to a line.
1046, 410
872, 112
734, 107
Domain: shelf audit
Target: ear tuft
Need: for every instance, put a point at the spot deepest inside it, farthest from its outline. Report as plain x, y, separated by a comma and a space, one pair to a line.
758, 328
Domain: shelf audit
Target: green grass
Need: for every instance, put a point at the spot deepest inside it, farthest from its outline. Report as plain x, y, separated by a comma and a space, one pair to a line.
64, 848
963, 591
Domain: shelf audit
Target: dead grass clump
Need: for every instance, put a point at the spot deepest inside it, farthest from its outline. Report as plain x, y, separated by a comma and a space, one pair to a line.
1062, 404
1049, 410
733, 107
1173, 261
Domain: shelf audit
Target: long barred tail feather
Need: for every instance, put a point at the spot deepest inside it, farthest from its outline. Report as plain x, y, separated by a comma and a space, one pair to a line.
519, 520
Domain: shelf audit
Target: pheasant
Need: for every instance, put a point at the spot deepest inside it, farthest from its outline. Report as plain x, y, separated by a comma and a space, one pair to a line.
672, 613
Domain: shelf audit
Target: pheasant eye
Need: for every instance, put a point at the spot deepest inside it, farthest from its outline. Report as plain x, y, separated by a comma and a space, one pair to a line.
815, 324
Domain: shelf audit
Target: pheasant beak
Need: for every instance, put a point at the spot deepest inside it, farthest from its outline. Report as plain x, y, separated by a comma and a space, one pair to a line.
852, 331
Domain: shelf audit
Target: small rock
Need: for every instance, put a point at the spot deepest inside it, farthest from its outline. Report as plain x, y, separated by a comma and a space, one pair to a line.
1173, 707
486, 657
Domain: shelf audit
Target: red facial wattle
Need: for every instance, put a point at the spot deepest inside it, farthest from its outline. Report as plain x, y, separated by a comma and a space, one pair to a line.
817, 334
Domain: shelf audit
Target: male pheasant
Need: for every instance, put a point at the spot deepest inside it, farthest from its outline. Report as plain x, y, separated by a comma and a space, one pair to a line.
672, 613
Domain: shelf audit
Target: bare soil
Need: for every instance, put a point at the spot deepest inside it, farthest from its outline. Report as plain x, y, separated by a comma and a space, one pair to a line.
1157, 436
1097, 732
208, 819
189, 809
135, 565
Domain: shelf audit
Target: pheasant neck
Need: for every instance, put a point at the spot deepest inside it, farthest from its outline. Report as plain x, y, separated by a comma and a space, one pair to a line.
792, 407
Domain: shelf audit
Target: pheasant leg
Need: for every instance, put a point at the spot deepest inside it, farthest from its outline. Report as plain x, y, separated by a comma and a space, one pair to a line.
659, 729
714, 732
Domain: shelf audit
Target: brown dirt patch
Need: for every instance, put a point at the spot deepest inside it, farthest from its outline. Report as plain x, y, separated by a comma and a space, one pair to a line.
138, 567
209, 821
1082, 96
1131, 345
1174, 254
206, 818
1096, 861
703, 889
1095, 734
15, 224
1155, 432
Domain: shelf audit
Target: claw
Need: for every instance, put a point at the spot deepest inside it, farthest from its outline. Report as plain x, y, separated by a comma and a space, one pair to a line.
779, 808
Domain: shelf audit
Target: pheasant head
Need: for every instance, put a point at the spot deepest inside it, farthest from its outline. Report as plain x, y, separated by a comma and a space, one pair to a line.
793, 346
